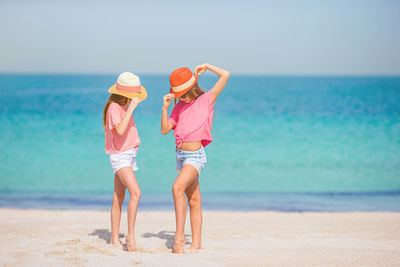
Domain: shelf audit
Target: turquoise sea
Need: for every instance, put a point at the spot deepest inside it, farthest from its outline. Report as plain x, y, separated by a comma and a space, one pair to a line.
280, 143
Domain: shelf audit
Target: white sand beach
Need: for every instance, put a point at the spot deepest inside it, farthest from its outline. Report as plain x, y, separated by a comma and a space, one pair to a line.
81, 238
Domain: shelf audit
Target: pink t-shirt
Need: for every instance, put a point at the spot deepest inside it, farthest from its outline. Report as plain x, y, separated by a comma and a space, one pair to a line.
116, 143
192, 121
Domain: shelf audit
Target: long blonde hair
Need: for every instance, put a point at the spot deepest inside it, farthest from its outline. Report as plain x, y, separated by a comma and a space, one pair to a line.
119, 99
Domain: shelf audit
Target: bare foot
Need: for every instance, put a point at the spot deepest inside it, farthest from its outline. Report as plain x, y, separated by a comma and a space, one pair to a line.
179, 246
131, 245
195, 247
117, 244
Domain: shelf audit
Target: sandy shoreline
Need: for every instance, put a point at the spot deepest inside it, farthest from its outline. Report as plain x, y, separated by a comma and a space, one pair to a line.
65, 238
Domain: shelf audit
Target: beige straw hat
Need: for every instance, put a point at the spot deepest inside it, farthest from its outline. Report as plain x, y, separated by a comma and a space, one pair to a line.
128, 85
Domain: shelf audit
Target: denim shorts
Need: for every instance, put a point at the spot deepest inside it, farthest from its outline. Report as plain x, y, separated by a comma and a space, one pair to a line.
124, 159
197, 159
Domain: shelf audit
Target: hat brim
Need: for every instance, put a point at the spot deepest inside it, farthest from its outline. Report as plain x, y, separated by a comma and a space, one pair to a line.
181, 93
142, 95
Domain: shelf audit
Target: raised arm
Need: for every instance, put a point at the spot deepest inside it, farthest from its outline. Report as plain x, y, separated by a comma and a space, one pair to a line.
166, 126
220, 84
120, 128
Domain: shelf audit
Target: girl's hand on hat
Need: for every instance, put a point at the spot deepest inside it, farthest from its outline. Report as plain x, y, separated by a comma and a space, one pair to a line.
134, 102
167, 100
200, 69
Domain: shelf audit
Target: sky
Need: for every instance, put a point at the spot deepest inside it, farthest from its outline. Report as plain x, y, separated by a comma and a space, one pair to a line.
246, 37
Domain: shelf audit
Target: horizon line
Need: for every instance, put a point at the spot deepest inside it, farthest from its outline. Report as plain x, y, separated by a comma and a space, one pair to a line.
209, 74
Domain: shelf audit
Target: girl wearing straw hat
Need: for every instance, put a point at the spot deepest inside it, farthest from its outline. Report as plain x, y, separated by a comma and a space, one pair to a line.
191, 120
122, 142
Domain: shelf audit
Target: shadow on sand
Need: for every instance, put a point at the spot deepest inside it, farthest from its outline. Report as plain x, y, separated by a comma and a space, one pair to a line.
168, 236
104, 234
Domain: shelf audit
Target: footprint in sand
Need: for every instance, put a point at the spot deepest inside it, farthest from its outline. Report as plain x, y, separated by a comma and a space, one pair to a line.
55, 253
76, 246
19, 255
75, 261
90, 248
69, 242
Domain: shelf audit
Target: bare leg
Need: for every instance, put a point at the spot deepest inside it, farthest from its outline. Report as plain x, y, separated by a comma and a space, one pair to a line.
186, 177
128, 179
118, 200
196, 218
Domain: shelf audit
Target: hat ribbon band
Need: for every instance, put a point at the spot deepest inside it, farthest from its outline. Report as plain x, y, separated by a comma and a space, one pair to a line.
184, 86
129, 89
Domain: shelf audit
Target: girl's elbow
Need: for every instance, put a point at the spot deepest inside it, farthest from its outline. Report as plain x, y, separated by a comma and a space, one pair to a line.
227, 74
164, 132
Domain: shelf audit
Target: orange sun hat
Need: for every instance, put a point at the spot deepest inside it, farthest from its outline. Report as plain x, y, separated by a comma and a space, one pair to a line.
181, 80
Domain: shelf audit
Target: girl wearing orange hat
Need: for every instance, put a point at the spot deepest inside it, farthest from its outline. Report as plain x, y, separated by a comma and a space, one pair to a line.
122, 142
191, 120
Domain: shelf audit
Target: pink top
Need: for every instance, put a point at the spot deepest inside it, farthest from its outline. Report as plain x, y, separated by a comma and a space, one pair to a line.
116, 143
192, 121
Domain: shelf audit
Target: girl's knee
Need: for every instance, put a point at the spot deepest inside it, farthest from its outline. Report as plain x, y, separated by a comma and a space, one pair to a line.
138, 194
135, 195
177, 189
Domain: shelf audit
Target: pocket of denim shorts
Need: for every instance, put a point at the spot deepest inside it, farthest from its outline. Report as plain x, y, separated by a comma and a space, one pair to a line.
180, 157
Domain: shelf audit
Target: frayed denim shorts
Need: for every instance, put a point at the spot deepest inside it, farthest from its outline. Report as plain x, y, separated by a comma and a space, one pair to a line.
124, 159
197, 159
